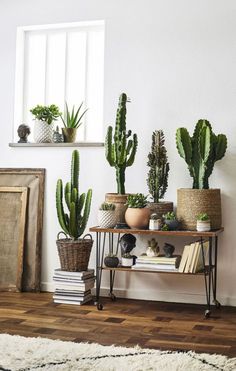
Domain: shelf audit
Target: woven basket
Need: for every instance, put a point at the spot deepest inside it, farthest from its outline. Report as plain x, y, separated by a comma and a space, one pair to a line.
191, 202
74, 254
160, 208
119, 201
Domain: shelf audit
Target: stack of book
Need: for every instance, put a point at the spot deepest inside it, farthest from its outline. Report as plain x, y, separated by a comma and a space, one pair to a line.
158, 263
192, 260
73, 287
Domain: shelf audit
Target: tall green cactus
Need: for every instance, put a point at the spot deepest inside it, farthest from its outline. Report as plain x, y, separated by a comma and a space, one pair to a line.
159, 167
201, 151
74, 222
119, 153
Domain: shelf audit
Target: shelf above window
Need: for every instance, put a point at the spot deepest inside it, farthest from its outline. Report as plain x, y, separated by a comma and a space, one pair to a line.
58, 145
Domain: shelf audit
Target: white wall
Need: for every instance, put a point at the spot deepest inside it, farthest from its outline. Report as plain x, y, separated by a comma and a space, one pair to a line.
176, 60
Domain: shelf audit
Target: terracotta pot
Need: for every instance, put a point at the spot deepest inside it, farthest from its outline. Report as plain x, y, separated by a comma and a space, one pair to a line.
191, 202
69, 135
137, 218
119, 201
160, 208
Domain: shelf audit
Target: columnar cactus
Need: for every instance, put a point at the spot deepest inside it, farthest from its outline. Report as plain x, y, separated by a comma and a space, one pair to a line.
201, 151
159, 167
74, 223
120, 153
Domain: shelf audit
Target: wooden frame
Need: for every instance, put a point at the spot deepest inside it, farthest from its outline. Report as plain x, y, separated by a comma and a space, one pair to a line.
34, 179
10, 279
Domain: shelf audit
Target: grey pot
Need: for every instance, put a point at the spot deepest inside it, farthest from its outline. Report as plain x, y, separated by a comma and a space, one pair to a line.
172, 224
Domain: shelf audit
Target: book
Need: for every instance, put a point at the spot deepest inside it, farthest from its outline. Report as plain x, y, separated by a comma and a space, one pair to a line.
199, 263
74, 286
158, 259
58, 272
72, 293
158, 267
75, 280
190, 257
184, 259
75, 302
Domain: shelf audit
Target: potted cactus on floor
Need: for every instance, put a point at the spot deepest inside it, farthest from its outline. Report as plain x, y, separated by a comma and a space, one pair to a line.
157, 180
200, 152
74, 252
120, 154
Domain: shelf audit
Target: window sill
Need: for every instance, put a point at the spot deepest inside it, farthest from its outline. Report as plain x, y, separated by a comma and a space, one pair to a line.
77, 144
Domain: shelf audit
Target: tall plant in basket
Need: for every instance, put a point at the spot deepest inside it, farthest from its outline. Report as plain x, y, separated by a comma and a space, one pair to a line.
74, 252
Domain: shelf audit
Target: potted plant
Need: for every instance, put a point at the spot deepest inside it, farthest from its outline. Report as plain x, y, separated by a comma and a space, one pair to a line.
111, 261
44, 122
203, 222
72, 121
127, 260
137, 214
120, 154
155, 222
171, 221
157, 180
200, 152
74, 252
107, 215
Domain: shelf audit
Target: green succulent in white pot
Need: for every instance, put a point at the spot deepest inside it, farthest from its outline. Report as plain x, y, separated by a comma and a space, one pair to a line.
107, 216
44, 117
203, 222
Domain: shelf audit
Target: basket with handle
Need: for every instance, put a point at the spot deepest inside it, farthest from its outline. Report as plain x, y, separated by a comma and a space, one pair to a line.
74, 254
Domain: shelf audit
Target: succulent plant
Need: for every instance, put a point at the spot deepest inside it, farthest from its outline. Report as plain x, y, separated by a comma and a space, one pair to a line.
127, 256
201, 151
203, 217
159, 167
137, 201
106, 206
73, 119
120, 152
46, 113
73, 223
169, 216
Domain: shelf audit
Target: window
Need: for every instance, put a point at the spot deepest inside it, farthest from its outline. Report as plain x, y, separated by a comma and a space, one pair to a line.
58, 63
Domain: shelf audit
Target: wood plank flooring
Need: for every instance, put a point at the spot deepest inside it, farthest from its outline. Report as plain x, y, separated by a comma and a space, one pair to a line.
123, 322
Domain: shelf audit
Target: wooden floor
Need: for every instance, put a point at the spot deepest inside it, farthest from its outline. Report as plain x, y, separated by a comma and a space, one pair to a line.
124, 322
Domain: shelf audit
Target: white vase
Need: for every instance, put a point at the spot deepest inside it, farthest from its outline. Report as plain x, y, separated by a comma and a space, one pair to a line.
107, 218
43, 132
203, 226
155, 224
126, 262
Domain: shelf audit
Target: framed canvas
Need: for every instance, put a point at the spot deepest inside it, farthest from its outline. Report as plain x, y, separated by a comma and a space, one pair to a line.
34, 180
13, 202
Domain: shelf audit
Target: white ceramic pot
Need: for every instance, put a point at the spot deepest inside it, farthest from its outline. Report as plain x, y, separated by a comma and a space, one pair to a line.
107, 218
203, 226
43, 132
155, 224
126, 262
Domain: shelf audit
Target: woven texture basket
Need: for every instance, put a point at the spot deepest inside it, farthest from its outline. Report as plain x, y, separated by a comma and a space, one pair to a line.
74, 254
191, 202
119, 201
160, 208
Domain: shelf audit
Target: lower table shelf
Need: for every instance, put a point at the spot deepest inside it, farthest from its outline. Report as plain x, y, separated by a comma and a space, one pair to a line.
126, 269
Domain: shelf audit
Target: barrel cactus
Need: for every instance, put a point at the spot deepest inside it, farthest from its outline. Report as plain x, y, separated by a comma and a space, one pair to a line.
201, 151
74, 222
120, 151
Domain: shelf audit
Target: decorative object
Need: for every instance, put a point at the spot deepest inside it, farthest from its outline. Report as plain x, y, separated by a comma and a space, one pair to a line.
171, 221
168, 250
44, 120
111, 261
23, 131
200, 152
120, 154
34, 180
127, 260
57, 137
127, 243
29, 353
72, 121
165, 227
73, 252
153, 248
203, 223
158, 175
155, 223
137, 215
107, 215
13, 204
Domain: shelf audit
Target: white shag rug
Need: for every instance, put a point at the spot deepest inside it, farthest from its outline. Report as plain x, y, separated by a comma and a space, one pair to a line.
18, 353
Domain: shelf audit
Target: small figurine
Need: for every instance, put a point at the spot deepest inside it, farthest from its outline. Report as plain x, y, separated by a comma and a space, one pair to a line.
23, 131
57, 137
168, 250
127, 243
153, 248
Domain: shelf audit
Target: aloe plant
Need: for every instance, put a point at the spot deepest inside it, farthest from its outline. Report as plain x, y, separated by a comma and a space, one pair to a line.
73, 119
74, 222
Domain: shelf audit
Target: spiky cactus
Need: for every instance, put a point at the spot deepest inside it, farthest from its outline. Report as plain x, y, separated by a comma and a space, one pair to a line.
120, 153
159, 167
73, 223
201, 151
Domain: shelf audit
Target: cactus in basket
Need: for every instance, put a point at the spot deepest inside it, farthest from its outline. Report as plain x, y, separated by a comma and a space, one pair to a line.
74, 222
159, 167
201, 151
120, 152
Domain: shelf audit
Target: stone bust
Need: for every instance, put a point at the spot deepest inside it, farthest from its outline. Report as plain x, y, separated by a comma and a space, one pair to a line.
127, 243
23, 131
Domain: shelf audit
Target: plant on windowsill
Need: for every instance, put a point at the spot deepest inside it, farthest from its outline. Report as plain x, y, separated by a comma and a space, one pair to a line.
137, 214
74, 252
120, 154
171, 221
107, 217
72, 121
203, 222
44, 122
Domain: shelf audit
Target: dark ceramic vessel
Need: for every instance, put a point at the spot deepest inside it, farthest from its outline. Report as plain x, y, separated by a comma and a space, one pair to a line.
172, 224
111, 261
168, 250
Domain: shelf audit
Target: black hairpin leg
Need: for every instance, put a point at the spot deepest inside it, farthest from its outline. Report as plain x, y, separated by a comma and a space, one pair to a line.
207, 276
112, 273
99, 263
214, 275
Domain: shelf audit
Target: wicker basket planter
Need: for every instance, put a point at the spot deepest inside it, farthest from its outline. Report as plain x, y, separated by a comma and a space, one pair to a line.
120, 202
74, 254
160, 208
191, 202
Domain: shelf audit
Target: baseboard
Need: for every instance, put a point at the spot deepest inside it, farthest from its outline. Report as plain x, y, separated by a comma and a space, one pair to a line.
175, 297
